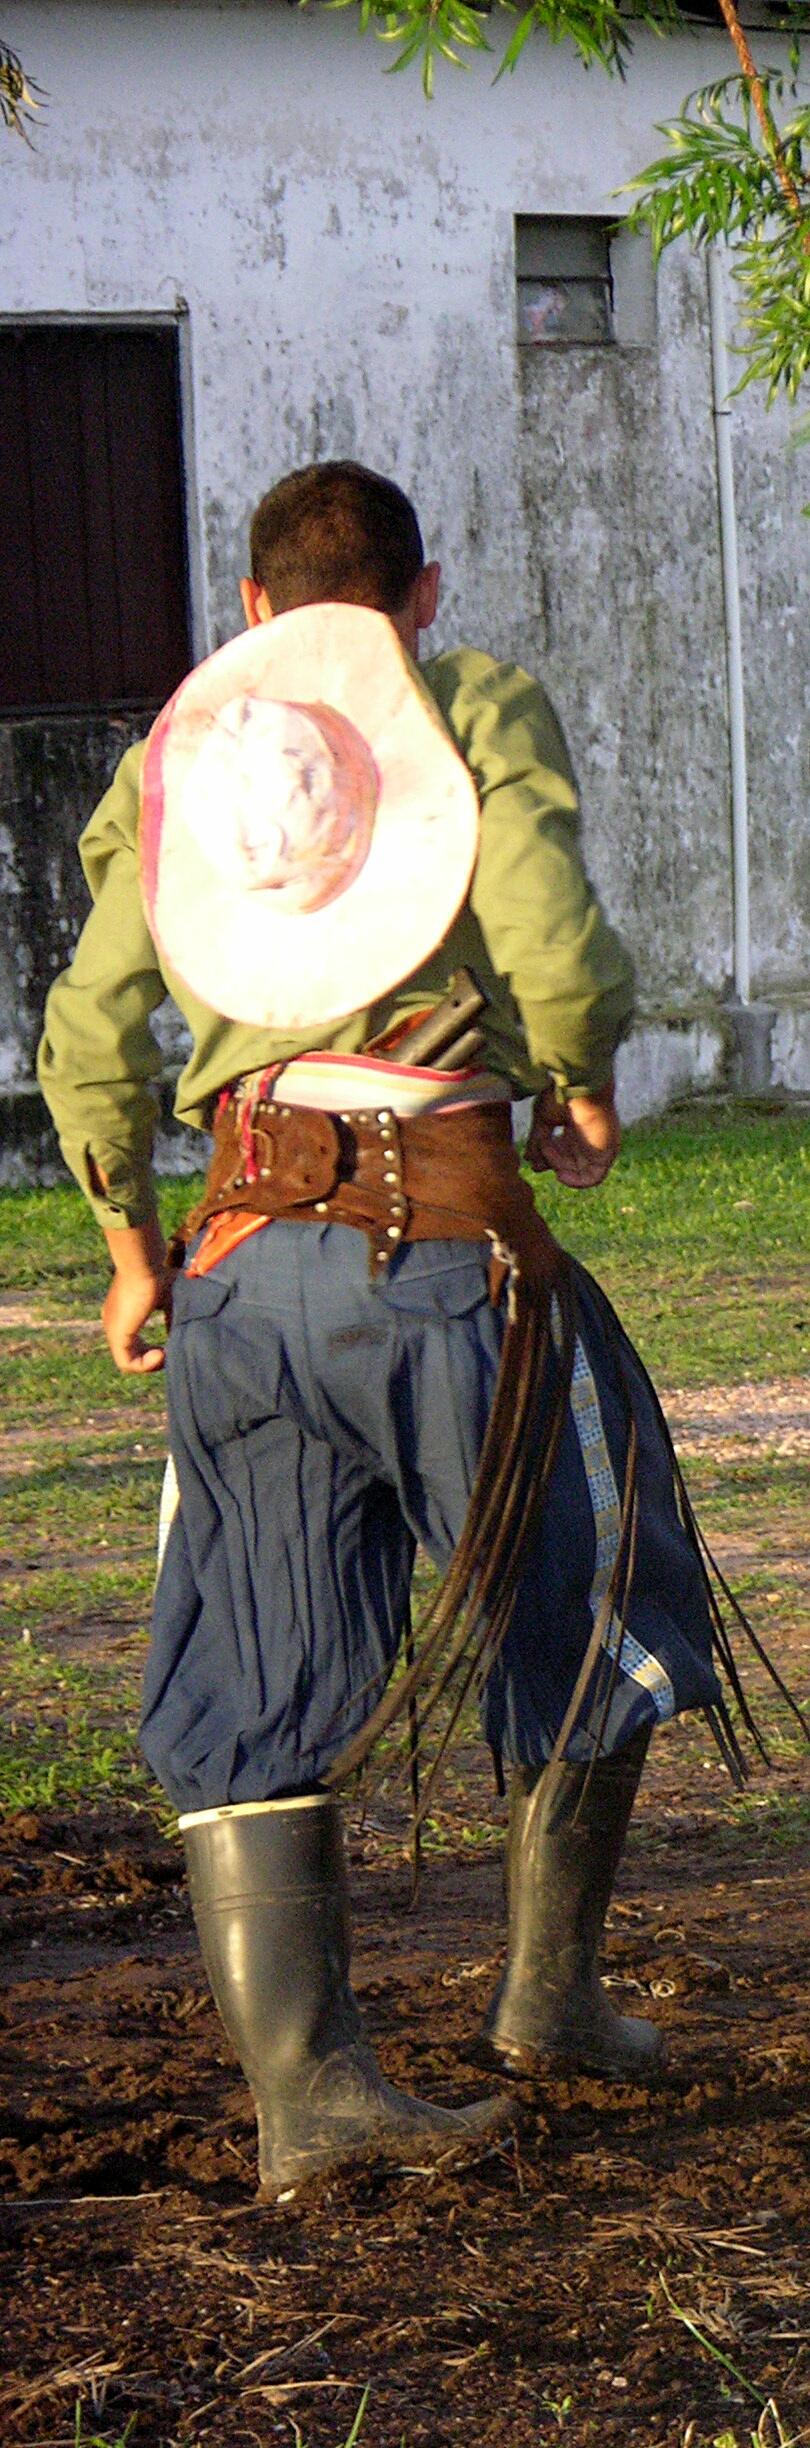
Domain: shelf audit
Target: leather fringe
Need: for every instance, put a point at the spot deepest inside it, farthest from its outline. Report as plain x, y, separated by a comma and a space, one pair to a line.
453, 1649
463, 1630
720, 1598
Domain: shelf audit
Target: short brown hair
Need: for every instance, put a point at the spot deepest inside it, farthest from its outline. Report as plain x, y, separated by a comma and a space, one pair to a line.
336, 533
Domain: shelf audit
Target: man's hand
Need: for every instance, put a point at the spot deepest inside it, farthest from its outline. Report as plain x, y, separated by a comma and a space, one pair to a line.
579, 1143
141, 1286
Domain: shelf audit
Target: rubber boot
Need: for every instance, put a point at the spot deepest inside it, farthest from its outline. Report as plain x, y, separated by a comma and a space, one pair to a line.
270, 1899
564, 1846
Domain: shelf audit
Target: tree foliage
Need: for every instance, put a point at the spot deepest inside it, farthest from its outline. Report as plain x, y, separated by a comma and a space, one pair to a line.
19, 99
429, 30
735, 170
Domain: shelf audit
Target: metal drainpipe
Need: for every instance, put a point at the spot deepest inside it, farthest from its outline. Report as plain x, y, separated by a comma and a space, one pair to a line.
731, 605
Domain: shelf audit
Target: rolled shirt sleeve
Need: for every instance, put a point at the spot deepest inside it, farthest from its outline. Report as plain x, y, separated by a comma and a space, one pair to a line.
98, 1059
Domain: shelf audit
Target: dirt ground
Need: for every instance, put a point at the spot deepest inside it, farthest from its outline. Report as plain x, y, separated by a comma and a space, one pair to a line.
536, 2295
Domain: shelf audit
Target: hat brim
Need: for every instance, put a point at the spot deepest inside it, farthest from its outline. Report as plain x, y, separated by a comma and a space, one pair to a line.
238, 952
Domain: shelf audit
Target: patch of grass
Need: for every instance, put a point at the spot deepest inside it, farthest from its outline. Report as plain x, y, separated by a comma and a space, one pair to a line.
86, 1767
38, 1673
50, 1243
87, 2439
62, 1379
694, 1185
780, 1820
60, 1597
779, 1729
67, 1729
83, 1502
445, 1833
699, 1235
765, 1482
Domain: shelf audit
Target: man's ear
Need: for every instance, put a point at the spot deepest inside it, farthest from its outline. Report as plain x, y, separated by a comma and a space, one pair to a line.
426, 598
255, 604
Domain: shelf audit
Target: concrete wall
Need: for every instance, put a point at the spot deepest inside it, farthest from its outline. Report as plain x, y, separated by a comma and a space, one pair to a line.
340, 255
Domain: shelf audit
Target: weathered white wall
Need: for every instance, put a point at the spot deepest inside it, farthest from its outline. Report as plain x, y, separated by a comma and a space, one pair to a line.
628, 621
344, 253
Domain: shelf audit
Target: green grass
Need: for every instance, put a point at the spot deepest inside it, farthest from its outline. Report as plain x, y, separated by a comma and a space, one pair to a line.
701, 1235
50, 1243
738, 1486
92, 1500
58, 1597
778, 1820
67, 1729
86, 2439
66, 1381
713, 1186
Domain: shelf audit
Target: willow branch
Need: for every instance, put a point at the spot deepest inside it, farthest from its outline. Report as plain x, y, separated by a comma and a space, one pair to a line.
765, 115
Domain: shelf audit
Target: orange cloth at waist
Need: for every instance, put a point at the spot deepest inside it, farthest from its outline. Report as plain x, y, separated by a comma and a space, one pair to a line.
221, 1235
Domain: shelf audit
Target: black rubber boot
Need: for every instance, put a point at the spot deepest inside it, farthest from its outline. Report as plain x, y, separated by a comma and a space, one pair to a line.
270, 1900
550, 2006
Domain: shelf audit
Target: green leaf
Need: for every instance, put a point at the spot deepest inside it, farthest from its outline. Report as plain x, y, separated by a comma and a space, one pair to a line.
516, 43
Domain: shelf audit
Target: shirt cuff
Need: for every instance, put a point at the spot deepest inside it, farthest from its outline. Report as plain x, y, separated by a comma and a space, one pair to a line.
118, 1187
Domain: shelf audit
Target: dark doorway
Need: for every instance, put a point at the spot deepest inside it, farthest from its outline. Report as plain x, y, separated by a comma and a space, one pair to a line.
93, 573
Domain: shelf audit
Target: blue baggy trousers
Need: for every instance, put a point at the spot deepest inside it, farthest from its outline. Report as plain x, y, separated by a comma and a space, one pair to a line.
321, 1425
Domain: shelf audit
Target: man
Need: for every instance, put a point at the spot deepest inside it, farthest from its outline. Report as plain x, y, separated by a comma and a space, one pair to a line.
374, 1329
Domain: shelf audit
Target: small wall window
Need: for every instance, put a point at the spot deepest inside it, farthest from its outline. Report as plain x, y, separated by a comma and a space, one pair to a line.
564, 285
92, 516
582, 284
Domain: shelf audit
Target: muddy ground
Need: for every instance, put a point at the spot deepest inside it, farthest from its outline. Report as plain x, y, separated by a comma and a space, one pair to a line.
534, 2296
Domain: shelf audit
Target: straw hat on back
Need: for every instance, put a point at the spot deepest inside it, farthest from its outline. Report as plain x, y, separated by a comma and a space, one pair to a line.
308, 830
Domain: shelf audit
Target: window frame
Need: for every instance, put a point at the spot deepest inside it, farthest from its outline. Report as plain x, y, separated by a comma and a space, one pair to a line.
628, 277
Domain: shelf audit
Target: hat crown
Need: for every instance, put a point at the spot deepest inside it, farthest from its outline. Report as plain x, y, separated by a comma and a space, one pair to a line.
282, 800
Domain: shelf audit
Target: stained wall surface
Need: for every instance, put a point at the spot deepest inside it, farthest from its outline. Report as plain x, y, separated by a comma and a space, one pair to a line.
340, 258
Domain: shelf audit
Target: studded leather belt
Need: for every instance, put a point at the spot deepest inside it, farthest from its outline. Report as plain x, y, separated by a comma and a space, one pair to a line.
449, 1176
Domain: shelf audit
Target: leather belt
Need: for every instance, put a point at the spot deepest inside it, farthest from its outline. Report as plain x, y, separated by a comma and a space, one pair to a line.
450, 1176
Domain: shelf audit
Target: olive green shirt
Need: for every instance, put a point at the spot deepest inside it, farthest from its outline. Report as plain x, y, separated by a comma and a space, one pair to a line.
557, 979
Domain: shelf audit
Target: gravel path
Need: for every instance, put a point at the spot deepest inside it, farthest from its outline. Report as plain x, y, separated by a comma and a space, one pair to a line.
728, 1419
